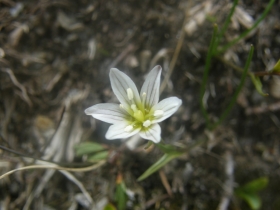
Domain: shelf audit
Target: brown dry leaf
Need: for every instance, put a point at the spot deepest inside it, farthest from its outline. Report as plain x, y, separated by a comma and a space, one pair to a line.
15, 35
197, 16
242, 17
68, 23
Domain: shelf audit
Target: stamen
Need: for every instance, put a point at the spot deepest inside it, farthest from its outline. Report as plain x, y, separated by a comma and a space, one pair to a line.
121, 106
134, 107
144, 95
147, 123
128, 128
144, 98
129, 93
158, 113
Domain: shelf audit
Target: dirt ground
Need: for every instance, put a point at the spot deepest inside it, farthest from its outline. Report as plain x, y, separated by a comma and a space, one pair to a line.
55, 58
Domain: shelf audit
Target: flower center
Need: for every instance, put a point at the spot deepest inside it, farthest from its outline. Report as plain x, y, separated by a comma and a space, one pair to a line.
137, 114
141, 116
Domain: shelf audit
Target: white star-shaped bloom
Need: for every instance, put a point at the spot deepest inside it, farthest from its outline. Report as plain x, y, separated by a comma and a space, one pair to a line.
135, 113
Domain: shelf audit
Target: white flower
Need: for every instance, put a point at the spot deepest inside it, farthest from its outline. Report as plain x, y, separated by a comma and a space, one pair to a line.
135, 113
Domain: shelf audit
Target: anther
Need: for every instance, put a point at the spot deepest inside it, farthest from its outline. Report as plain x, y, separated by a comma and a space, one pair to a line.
158, 113
129, 93
144, 95
134, 107
144, 98
121, 106
128, 128
147, 123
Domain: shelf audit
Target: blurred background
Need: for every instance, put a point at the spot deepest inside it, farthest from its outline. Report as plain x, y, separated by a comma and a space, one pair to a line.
55, 58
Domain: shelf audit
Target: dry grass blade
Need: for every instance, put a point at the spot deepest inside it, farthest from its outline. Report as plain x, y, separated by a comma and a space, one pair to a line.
56, 167
165, 182
175, 57
229, 183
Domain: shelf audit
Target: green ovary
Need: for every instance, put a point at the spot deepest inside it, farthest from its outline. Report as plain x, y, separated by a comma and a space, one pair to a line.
138, 115
139, 118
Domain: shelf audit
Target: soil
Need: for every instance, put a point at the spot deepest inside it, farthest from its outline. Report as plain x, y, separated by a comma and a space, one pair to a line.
55, 58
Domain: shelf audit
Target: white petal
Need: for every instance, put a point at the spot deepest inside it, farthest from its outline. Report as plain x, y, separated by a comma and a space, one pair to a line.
117, 131
120, 83
151, 87
152, 133
169, 106
110, 113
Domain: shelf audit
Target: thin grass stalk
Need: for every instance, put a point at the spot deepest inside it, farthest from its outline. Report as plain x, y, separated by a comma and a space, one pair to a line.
226, 24
245, 33
206, 73
236, 93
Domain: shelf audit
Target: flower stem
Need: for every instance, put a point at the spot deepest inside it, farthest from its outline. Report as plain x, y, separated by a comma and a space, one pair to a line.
148, 145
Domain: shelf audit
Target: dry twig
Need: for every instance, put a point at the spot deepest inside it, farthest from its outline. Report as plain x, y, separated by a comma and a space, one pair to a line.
20, 86
228, 186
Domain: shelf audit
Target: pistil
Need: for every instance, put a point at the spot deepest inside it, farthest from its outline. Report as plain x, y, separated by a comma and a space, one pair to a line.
139, 116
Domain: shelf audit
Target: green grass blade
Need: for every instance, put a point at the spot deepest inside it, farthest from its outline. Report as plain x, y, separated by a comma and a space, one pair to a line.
206, 73
166, 158
245, 33
252, 199
258, 84
88, 147
121, 196
236, 93
276, 68
98, 156
226, 24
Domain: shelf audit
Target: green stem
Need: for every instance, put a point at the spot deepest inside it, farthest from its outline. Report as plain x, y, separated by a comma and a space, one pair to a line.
234, 98
206, 73
245, 33
150, 143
